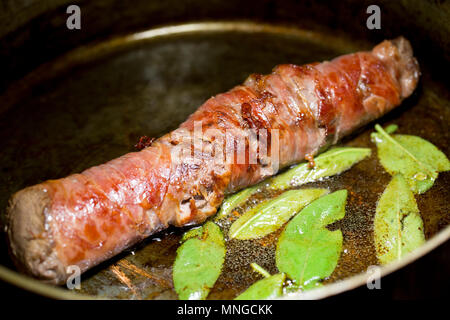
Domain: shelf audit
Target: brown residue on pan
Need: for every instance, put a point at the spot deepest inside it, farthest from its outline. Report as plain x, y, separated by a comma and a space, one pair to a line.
138, 271
124, 279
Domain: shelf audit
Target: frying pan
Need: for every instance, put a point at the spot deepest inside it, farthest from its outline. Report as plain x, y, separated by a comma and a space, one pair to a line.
71, 99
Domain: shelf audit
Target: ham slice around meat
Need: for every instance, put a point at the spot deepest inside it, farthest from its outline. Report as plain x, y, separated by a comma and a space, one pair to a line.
293, 112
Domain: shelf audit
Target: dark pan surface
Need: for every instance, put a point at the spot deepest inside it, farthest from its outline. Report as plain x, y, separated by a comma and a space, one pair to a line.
96, 106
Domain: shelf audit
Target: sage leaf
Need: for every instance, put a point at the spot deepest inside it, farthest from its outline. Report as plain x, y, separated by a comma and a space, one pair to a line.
391, 128
327, 164
306, 250
192, 233
398, 227
332, 162
416, 159
270, 215
234, 201
199, 262
267, 288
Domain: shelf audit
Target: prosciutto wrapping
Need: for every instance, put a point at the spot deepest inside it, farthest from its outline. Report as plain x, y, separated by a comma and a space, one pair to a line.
86, 218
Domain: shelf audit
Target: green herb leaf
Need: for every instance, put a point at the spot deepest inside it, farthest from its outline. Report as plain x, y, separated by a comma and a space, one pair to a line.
391, 128
192, 233
398, 227
199, 262
234, 201
257, 268
307, 251
267, 288
270, 215
416, 159
327, 164
332, 162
